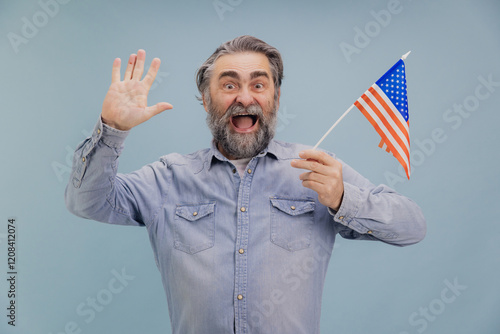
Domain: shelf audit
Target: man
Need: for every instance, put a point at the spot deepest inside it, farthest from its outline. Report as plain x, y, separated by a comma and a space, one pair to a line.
241, 235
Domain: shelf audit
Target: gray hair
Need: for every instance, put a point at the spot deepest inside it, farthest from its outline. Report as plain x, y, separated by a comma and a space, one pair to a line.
241, 44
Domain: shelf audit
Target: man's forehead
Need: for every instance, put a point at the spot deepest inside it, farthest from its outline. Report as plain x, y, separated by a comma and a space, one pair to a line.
242, 63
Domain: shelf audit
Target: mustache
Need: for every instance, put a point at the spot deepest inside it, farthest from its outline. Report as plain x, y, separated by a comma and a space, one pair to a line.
238, 109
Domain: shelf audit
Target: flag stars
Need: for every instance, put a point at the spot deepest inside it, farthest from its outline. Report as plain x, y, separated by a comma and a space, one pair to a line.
393, 85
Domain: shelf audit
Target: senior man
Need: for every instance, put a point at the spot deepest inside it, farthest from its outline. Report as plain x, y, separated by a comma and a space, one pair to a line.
242, 236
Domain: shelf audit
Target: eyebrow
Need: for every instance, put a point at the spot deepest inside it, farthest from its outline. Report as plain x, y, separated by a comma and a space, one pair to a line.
235, 75
232, 74
257, 74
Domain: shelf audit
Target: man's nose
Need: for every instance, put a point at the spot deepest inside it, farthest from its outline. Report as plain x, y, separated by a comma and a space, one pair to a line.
244, 97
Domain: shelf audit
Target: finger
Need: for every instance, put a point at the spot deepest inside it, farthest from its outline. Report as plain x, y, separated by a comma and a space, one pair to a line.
315, 177
151, 75
313, 185
158, 108
311, 165
130, 66
319, 156
139, 65
115, 73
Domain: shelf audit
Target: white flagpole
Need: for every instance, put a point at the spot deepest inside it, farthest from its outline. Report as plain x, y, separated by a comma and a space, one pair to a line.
334, 125
345, 113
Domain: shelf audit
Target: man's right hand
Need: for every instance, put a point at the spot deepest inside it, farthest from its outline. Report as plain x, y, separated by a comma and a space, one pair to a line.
125, 104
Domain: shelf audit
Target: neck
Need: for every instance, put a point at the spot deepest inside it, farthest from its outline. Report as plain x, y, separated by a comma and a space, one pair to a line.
224, 153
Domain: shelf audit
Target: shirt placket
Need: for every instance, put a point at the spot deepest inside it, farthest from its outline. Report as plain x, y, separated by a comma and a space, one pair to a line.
241, 269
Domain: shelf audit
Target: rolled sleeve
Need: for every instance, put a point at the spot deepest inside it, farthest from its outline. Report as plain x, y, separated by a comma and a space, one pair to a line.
109, 136
377, 213
351, 202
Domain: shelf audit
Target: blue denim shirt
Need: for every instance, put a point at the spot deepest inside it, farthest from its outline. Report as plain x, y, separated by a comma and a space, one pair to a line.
236, 255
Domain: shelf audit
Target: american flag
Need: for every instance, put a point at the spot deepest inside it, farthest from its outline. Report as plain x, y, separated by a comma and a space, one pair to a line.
385, 105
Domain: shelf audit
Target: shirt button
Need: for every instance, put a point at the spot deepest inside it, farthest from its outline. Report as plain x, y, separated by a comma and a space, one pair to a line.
243, 209
240, 297
234, 170
195, 213
98, 131
292, 207
341, 217
241, 251
83, 159
249, 171
369, 232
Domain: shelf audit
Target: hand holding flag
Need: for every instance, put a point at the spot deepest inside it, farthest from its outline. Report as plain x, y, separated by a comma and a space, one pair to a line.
324, 176
385, 105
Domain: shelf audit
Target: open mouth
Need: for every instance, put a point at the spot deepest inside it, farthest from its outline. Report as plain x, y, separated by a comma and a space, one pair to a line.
244, 122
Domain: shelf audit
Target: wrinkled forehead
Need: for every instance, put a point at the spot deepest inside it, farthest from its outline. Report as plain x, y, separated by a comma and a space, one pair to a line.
244, 66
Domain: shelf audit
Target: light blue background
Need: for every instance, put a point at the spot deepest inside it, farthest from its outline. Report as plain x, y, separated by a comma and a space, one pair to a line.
51, 93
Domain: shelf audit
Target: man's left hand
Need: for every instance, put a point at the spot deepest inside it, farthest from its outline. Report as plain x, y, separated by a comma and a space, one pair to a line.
325, 176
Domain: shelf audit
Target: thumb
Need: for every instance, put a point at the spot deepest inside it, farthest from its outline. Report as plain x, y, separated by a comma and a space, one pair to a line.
158, 108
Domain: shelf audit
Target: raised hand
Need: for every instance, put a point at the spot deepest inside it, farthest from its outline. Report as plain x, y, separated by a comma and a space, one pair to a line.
126, 103
325, 176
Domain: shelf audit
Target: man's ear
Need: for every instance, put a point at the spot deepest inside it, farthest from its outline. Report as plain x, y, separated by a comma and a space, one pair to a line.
204, 102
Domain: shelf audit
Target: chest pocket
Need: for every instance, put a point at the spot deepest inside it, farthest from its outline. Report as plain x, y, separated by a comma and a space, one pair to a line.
291, 223
194, 227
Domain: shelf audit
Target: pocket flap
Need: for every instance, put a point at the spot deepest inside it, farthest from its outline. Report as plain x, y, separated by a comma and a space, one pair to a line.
194, 212
293, 207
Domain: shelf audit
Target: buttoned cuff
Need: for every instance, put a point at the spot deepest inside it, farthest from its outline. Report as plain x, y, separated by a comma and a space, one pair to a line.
351, 203
111, 137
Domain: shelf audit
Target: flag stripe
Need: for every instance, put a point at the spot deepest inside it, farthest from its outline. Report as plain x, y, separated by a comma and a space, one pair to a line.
377, 114
389, 121
402, 158
389, 103
397, 155
380, 128
383, 146
391, 109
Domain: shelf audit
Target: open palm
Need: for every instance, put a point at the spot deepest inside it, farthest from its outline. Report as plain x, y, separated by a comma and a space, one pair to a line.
126, 103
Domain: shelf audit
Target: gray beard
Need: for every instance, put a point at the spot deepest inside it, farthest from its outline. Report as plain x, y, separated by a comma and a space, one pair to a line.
241, 145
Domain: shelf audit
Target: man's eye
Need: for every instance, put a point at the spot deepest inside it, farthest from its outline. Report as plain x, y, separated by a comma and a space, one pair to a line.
259, 86
229, 86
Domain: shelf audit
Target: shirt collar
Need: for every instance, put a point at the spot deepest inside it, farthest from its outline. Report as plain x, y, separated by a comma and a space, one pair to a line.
274, 149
